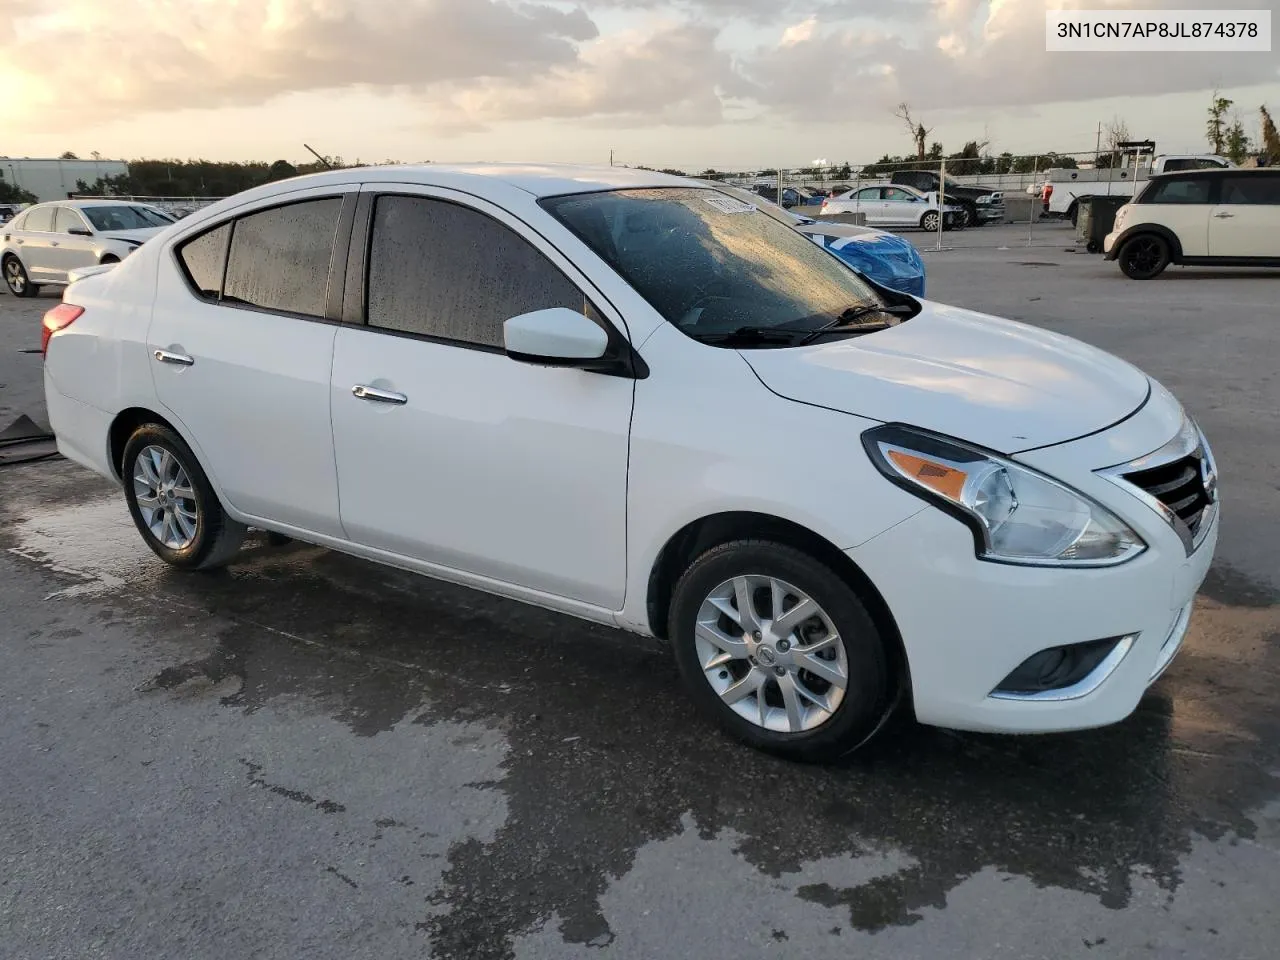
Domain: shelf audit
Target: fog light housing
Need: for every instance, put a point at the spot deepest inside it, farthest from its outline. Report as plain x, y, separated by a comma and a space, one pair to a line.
1064, 673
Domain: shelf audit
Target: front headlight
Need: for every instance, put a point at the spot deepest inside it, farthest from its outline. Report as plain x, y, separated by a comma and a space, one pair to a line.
1017, 515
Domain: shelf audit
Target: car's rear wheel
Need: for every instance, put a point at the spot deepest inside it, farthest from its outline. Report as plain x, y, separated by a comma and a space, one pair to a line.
16, 279
1144, 256
929, 222
173, 504
780, 650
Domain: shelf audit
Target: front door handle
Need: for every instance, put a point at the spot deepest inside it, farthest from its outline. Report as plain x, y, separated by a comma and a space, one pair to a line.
1224, 216
374, 395
181, 359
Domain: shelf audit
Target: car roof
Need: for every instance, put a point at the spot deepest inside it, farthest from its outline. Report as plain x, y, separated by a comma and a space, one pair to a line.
539, 179
1217, 172
80, 204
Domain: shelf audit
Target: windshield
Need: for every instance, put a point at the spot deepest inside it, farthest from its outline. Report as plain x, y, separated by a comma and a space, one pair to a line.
122, 217
714, 266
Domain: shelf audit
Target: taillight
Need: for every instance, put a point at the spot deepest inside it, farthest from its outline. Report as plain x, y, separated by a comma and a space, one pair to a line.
59, 318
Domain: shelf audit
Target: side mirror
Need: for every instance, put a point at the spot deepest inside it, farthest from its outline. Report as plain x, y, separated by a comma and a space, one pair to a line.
558, 337
79, 232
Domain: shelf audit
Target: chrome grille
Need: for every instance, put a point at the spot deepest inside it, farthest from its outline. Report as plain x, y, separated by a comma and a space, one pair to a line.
1179, 486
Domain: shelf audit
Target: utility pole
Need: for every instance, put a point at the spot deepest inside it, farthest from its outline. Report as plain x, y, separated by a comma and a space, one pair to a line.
611, 158
1097, 147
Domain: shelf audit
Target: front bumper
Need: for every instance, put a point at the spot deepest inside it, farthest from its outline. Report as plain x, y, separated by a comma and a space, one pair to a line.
1110, 248
967, 623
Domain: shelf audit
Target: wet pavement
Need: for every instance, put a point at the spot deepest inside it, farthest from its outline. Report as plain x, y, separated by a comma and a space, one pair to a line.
308, 755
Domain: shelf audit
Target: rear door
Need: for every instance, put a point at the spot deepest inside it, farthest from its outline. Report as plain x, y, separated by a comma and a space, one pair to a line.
35, 244
241, 342
1246, 219
1181, 203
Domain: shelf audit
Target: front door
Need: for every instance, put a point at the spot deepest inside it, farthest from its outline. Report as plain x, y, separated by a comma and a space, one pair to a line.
902, 207
1246, 220
1183, 203
70, 251
452, 453
242, 360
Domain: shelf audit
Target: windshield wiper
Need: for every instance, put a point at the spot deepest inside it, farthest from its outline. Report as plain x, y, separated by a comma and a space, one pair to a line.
748, 335
848, 320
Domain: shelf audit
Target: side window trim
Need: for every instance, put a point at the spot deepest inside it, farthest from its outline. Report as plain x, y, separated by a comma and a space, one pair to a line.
355, 297
337, 256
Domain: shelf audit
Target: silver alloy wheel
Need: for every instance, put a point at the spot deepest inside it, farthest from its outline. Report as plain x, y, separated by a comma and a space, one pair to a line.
930, 222
165, 497
771, 654
14, 276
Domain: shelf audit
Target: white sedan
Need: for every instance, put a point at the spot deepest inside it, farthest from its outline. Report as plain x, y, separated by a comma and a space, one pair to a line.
895, 206
642, 402
44, 243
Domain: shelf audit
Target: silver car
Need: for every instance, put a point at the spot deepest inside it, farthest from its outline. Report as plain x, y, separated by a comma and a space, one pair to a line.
45, 242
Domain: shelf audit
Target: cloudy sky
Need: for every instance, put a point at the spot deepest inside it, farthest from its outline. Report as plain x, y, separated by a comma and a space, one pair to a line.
688, 83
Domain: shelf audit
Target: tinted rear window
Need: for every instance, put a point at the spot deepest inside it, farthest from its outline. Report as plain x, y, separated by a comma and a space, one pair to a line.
39, 219
280, 257
203, 259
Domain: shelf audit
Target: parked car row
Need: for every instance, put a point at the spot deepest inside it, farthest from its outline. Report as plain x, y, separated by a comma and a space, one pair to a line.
653, 404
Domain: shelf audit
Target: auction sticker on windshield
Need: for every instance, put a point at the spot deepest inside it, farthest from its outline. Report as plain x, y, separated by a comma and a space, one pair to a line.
729, 205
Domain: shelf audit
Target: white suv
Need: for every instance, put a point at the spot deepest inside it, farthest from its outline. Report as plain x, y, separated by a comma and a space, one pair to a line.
1227, 218
642, 402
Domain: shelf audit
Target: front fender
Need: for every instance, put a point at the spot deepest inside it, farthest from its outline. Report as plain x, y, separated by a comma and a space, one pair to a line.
1171, 238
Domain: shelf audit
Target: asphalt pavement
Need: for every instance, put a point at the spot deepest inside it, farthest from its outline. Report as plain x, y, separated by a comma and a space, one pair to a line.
307, 755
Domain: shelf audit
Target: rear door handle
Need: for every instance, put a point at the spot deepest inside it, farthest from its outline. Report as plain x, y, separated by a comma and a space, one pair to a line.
181, 359
374, 395
1224, 216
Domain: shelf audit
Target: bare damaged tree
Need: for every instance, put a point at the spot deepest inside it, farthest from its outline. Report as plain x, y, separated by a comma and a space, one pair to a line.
919, 132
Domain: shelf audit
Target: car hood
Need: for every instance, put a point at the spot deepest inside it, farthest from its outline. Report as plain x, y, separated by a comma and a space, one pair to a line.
131, 236
994, 382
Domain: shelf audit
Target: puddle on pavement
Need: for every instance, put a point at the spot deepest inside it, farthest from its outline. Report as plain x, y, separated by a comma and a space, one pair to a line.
605, 756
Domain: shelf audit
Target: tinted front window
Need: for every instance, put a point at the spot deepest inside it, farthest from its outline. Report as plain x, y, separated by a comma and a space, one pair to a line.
280, 257
1174, 190
66, 219
446, 271
1254, 189
709, 264
203, 259
39, 219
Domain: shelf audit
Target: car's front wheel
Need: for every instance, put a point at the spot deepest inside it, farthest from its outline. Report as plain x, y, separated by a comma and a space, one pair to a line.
929, 222
780, 650
1144, 256
172, 503
16, 279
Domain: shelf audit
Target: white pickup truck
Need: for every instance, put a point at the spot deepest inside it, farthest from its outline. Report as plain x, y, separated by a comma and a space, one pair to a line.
1069, 186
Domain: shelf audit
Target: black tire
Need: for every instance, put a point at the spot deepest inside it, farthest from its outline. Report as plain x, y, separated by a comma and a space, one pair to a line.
1144, 256
929, 222
16, 279
217, 537
969, 218
109, 258
869, 694
1093, 246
